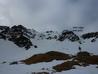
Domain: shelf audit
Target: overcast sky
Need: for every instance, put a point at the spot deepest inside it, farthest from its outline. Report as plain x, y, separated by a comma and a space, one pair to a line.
50, 14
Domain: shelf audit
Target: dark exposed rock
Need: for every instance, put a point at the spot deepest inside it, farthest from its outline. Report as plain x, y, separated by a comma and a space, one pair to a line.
49, 35
18, 37
17, 34
23, 42
90, 35
4, 62
40, 72
35, 46
49, 31
13, 63
79, 48
2, 36
3, 32
3, 28
93, 40
68, 35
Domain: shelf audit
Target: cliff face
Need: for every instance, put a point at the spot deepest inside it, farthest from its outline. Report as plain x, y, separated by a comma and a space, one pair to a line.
93, 35
68, 35
16, 34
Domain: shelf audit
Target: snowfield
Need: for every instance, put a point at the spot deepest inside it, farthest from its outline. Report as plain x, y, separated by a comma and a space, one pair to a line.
10, 52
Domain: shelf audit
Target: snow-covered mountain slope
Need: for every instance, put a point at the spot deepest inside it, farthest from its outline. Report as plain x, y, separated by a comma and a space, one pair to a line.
67, 42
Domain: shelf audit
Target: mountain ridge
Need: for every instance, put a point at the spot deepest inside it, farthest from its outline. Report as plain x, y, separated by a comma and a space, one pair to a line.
21, 36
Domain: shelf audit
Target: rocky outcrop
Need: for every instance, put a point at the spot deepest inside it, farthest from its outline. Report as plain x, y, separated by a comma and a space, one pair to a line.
93, 35
68, 35
40, 73
81, 59
19, 35
90, 35
65, 66
46, 57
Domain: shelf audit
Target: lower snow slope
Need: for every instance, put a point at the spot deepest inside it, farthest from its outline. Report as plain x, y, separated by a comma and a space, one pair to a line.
10, 52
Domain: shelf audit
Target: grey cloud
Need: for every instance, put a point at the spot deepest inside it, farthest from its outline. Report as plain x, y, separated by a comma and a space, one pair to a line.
50, 14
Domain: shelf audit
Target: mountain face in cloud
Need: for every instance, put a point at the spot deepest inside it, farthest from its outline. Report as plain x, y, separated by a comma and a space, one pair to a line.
50, 14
